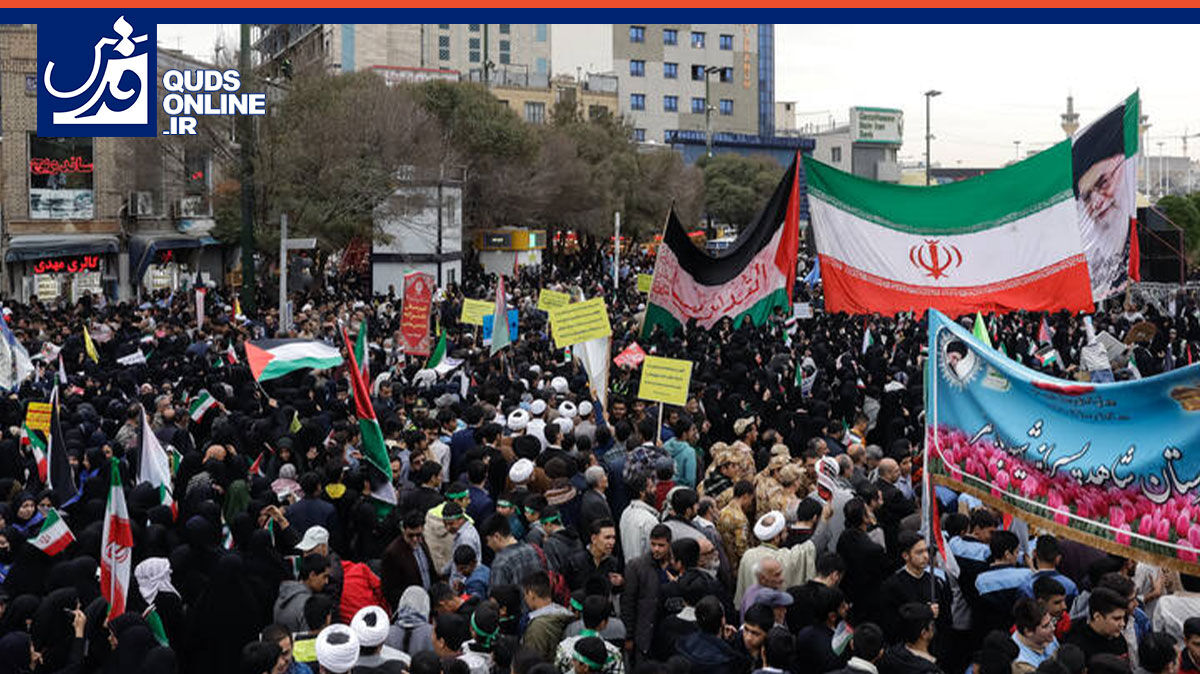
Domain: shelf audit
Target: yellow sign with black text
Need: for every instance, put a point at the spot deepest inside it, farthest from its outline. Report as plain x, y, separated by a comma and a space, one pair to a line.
579, 322
665, 380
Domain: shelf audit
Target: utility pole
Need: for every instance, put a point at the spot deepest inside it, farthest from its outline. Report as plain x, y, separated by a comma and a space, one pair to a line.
1017, 143
245, 135
708, 108
285, 320
486, 83
928, 136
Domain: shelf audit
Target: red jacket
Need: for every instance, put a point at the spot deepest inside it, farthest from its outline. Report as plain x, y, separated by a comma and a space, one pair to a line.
360, 588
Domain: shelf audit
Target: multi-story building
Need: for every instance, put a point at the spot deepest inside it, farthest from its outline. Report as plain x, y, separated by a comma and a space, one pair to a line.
99, 215
593, 98
696, 77
514, 53
867, 146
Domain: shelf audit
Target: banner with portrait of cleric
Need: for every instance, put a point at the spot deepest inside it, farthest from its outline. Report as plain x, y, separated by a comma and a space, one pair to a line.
1104, 158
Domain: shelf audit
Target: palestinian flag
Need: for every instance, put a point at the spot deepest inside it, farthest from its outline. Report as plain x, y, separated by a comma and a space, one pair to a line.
1104, 159
1003, 241
54, 536
33, 440
231, 354
273, 358
154, 622
200, 404
117, 550
154, 464
868, 340
753, 278
256, 467
1045, 334
362, 353
373, 449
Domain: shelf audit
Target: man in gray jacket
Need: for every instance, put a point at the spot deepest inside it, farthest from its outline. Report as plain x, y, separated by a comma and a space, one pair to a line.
289, 607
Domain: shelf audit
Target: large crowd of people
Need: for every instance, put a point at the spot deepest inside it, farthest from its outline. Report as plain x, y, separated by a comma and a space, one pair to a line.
769, 525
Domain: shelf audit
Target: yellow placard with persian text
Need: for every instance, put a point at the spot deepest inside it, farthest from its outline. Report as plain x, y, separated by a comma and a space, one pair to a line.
665, 380
549, 300
644, 282
579, 322
473, 311
37, 416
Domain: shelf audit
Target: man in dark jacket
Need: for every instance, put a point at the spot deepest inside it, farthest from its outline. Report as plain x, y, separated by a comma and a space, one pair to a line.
913, 583
644, 579
913, 656
705, 649
312, 510
593, 504
596, 562
895, 505
406, 561
865, 562
814, 644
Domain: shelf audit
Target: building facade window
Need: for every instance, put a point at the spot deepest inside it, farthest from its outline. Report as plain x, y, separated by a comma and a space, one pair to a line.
535, 112
444, 41
697, 72
539, 32
639, 135
444, 54
541, 66
726, 106
670, 36
637, 68
505, 45
473, 27
835, 155
444, 26
670, 71
637, 101
505, 58
473, 43
727, 74
670, 104
726, 43
474, 57
505, 28
697, 105
637, 33
697, 40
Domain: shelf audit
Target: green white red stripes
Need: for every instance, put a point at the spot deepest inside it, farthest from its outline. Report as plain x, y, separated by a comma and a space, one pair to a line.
1004, 241
33, 440
117, 545
200, 403
54, 536
155, 464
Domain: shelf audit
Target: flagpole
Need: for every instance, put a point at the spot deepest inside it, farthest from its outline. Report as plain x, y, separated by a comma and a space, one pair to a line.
666, 221
931, 377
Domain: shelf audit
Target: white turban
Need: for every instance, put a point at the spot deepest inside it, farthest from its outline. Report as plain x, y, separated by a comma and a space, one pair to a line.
337, 648
371, 625
769, 526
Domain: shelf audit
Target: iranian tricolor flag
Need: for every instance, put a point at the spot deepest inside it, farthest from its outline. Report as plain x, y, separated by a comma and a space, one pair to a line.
1003, 241
201, 403
54, 536
373, 449
753, 278
33, 440
117, 545
155, 464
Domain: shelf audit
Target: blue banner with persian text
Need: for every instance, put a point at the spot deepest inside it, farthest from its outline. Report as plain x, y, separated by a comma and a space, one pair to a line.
1113, 465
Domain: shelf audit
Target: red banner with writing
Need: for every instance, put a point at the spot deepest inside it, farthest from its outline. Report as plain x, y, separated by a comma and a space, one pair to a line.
414, 314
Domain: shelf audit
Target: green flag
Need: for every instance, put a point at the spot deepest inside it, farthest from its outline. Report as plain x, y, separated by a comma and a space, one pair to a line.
439, 352
980, 330
361, 353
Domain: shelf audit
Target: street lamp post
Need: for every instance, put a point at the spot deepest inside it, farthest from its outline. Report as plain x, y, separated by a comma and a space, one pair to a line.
1017, 143
928, 136
708, 108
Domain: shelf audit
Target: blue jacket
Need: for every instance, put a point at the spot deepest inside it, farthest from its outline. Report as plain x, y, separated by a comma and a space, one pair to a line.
685, 461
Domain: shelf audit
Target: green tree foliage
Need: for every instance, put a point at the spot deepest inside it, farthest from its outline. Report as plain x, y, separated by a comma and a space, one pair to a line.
736, 188
1184, 212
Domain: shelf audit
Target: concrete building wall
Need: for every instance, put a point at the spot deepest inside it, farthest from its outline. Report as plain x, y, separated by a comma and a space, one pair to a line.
741, 85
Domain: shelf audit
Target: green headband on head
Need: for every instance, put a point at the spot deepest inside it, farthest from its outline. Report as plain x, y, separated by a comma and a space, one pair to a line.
457, 494
553, 518
504, 504
485, 638
577, 606
459, 516
587, 661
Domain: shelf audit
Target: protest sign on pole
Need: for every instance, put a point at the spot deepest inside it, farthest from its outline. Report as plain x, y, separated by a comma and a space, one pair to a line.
665, 380
37, 416
644, 282
473, 311
632, 356
580, 322
552, 299
414, 315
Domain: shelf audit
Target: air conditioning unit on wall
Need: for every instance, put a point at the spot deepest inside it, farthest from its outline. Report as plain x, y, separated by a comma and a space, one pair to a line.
141, 203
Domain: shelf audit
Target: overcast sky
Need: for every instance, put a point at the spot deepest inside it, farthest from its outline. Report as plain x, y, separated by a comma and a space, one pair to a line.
1000, 83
